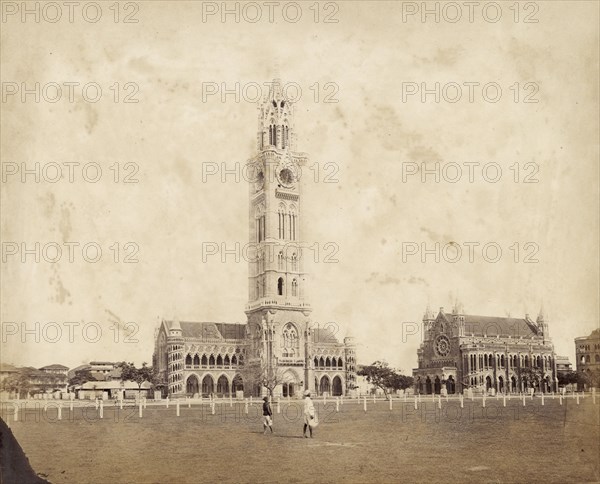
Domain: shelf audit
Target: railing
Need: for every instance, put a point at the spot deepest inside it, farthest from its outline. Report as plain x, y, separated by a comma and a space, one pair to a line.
273, 301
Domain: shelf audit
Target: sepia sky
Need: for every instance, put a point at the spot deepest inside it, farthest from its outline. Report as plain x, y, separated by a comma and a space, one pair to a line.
363, 145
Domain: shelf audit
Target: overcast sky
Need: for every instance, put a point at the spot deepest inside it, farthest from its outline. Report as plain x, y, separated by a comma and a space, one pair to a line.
371, 137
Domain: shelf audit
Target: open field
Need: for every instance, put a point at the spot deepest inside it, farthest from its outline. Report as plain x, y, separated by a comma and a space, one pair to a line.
535, 443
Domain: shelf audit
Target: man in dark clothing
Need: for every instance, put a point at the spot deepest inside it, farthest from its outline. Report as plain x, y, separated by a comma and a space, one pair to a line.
267, 415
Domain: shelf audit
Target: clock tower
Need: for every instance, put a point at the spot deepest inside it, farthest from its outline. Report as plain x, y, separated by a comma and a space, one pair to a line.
278, 327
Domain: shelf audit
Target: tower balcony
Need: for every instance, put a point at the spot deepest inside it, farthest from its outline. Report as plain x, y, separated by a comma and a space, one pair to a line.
278, 303
290, 361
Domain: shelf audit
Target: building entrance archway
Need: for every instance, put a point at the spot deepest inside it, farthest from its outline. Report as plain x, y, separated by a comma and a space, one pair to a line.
208, 385
325, 385
336, 387
192, 385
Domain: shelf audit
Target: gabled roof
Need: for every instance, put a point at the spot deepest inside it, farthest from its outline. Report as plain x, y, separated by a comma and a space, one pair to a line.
209, 330
324, 335
495, 326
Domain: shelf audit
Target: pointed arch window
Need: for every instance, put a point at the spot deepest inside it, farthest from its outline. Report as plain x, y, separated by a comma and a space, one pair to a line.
196, 360
280, 260
294, 262
291, 343
294, 287
280, 286
282, 217
204, 360
292, 223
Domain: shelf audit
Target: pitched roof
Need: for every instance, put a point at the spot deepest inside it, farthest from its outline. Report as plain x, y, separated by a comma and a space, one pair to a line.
324, 335
114, 384
209, 330
496, 326
54, 367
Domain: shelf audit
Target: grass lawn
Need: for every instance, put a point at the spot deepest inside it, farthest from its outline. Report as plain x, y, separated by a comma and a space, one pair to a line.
550, 443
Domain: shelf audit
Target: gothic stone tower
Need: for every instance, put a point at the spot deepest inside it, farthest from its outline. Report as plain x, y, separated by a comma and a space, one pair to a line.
279, 331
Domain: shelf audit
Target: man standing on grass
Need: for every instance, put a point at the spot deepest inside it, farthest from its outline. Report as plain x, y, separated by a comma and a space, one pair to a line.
267, 415
309, 414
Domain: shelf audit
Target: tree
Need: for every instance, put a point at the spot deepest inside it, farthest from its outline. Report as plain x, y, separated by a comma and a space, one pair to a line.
589, 378
534, 376
382, 376
265, 374
401, 382
12, 384
129, 372
567, 378
22, 383
81, 377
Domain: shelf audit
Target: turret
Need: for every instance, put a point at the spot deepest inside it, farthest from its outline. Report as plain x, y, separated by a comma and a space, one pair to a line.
350, 361
175, 357
542, 324
275, 121
428, 320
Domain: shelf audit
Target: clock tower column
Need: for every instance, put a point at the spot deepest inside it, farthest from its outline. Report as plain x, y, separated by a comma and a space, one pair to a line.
276, 278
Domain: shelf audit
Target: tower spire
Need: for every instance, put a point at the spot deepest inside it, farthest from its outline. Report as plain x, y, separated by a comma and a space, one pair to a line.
276, 119
541, 316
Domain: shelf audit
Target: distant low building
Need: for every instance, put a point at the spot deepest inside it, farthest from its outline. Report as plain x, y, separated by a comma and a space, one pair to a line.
24, 382
100, 370
563, 365
105, 390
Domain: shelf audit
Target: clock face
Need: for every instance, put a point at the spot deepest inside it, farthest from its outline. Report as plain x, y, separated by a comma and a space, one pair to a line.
442, 346
286, 177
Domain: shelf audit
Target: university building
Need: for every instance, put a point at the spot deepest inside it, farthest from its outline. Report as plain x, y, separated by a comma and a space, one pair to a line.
587, 351
213, 358
461, 351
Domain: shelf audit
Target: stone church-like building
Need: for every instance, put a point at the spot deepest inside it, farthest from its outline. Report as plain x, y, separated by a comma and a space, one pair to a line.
211, 358
461, 351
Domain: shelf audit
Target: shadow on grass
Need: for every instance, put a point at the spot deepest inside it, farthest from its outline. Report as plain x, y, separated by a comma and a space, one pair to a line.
14, 465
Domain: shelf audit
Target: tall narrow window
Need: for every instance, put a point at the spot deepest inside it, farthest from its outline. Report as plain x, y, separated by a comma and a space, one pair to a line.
281, 213
294, 287
283, 139
280, 286
294, 262
280, 260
